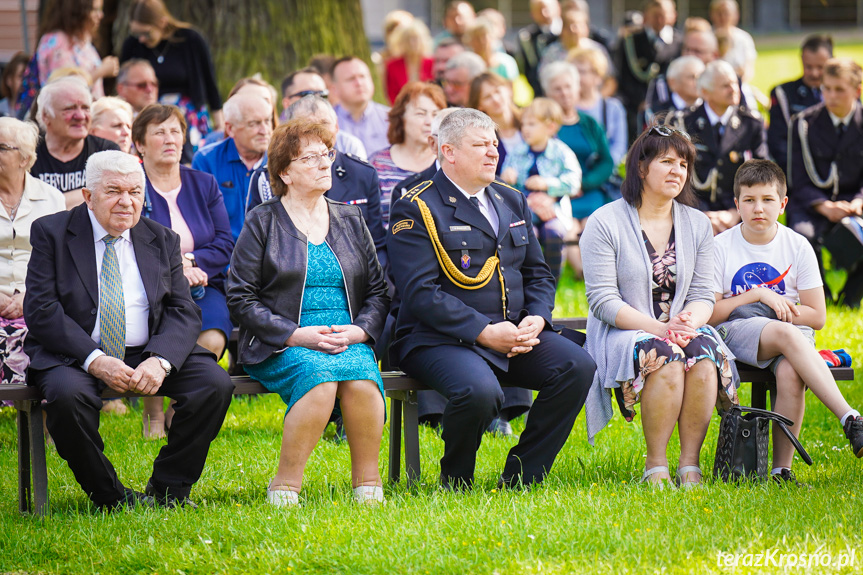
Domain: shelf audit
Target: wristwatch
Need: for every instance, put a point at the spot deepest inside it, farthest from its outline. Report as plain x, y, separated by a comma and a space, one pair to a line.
166, 365
191, 257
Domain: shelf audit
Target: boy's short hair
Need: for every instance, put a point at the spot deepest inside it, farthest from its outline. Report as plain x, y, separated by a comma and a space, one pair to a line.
545, 110
844, 69
757, 173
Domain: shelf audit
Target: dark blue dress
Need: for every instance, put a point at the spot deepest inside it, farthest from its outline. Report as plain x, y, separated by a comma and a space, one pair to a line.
294, 371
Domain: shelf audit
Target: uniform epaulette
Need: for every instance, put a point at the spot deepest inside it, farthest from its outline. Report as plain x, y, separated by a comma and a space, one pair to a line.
504, 184
416, 190
360, 160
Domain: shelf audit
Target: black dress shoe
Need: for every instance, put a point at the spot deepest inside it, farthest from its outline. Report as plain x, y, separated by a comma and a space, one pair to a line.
130, 500
168, 500
499, 427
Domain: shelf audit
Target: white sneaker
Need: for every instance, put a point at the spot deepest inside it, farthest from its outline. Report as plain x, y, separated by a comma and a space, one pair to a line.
283, 497
369, 494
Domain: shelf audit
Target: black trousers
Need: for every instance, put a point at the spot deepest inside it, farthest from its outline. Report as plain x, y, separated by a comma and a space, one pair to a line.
202, 390
559, 369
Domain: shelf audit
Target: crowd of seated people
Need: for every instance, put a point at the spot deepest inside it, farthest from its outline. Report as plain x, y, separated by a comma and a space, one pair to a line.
143, 228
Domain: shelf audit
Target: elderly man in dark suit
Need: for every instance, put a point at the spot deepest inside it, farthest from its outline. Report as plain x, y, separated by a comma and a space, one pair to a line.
826, 191
476, 307
725, 135
108, 305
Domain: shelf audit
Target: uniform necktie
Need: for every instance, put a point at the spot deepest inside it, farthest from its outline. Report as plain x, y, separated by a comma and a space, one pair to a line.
112, 306
475, 201
840, 129
718, 130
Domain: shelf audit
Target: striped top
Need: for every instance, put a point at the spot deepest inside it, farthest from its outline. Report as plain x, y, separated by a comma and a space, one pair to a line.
389, 175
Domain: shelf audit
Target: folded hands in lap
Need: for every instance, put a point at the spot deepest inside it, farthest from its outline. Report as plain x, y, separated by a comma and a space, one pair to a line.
506, 337
328, 339
147, 378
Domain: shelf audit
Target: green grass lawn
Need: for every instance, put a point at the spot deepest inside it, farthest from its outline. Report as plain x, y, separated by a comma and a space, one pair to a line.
589, 516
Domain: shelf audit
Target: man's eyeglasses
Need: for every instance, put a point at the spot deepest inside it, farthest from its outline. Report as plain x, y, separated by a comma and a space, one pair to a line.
322, 93
314, 160
143, 85
665, 132
8, 148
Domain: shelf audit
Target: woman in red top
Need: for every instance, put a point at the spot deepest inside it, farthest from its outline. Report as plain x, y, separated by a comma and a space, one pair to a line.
414, 62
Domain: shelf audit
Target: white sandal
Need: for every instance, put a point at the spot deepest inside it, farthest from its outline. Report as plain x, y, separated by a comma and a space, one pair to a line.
681, 473
653, 471
283, 497
369, 494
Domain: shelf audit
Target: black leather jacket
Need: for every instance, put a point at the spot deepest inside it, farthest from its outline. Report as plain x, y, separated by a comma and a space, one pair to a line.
268, 275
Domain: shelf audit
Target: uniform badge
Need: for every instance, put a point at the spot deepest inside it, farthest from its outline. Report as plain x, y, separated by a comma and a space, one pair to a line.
735, 122
701, 123
340, 171
518, 223
497, 196
452, 199
402, 225
465, 260
802, 91
459, 228
734, 156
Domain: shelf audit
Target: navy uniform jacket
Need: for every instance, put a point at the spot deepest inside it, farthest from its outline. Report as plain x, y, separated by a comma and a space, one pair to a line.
825, 148
532, 42
787, 100
744, 139
633, 90
355, 182
409, 183
436, 311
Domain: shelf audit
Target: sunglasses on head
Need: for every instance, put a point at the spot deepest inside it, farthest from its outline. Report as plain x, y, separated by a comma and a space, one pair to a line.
322, 93
666, 132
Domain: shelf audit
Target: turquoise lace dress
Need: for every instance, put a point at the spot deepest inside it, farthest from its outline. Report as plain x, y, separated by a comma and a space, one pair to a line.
294, 371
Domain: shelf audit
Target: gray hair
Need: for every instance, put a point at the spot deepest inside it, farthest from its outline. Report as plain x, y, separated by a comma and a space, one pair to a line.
107, 103
454, 126
439, 117
473, 63
237, 104
45, 100
128, 65
679, 65
113, 162
707, 80
554, 69
24, 136
309, 105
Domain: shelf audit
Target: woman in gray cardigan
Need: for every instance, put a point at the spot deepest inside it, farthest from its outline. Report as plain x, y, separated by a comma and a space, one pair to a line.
648, 265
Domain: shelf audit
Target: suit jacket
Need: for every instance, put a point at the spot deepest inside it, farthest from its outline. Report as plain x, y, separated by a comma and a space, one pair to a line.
787, 100
203, 209
355, 182
62, 296
532, 42
743, 139
435, 310
825, 148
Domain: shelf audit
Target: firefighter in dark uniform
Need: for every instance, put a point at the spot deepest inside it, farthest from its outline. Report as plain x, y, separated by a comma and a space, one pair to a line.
643, 55
791, 98
725, 135
826, 184
476, 308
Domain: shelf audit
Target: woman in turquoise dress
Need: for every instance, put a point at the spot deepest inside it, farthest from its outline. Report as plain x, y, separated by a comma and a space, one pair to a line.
309, 295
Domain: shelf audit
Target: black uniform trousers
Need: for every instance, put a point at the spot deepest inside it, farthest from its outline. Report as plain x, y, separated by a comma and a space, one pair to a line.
202, 391
559, 369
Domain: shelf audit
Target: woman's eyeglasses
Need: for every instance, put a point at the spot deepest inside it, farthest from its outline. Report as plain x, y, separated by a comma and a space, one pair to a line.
314, 160
665, 132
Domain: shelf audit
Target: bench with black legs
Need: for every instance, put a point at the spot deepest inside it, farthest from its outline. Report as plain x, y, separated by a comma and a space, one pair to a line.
403, 421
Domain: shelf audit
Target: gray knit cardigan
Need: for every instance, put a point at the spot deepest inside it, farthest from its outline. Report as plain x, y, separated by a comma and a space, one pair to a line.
617, 272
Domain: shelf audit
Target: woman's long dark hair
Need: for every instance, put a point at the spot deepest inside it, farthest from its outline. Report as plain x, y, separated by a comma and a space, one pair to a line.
647, 147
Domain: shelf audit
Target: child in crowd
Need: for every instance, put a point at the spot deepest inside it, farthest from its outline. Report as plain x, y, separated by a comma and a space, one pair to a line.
546, 170
770, 301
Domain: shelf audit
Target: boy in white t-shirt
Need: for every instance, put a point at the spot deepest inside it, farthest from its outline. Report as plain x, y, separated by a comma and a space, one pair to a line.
764, 263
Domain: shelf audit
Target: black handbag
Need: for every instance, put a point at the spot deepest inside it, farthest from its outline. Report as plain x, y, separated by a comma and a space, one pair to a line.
741, 450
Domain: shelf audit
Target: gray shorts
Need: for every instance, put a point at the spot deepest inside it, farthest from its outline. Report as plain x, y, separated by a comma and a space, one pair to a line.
743, 335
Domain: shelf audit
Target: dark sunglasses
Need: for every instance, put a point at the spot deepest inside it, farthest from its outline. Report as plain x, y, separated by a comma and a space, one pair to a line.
665, 132
322, 93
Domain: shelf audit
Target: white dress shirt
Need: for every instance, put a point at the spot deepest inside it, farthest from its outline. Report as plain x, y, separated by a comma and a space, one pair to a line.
485, 205
134, 294
846, 120
713, 117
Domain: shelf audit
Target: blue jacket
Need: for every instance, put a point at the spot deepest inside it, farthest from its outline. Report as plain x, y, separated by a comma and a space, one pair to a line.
222, 160
557, 164
203, 208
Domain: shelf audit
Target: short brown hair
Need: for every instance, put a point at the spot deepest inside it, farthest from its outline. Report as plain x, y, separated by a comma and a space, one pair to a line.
757, 173
845, 69
155, 114
287, 141
646, 148
410, 92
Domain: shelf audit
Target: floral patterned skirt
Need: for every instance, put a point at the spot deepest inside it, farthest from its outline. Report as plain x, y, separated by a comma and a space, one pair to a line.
651, 353
13, 361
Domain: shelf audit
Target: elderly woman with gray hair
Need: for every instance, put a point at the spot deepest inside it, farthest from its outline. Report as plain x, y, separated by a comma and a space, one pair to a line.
24, 199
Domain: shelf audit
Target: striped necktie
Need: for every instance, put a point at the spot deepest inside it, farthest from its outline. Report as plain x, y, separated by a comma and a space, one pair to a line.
112, 306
